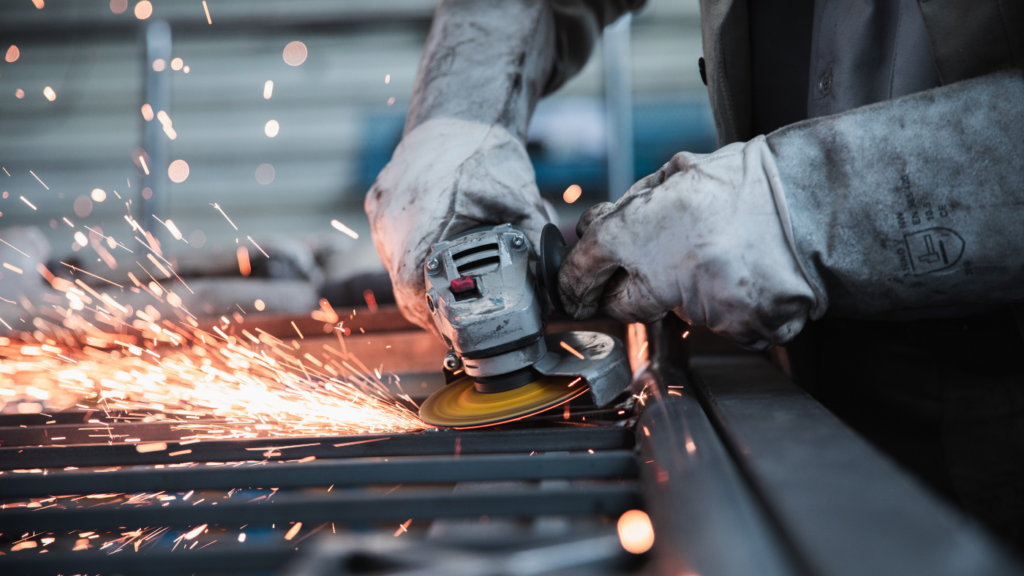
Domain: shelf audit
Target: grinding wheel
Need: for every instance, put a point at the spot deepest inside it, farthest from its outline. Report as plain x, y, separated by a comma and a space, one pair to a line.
460, 405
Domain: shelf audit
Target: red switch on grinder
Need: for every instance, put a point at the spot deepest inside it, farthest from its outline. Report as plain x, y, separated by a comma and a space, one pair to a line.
463, 285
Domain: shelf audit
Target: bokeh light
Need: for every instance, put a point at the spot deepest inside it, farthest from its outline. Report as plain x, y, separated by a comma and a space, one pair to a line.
197, 239
49, 93
83, 206
98, 195
178, 171
260, 306
264, 174
272, 128
295, 53
635, 532
118, 6
143, 10
572, 193
159, 65
12, 53
177, 63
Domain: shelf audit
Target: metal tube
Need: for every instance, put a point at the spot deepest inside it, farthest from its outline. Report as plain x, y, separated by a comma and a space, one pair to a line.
362, 472
343, 507
707, 520
618, 94
430, 443
158, 95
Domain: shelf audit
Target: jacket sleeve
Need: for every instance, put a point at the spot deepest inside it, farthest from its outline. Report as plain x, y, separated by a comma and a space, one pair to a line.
489, 61
914, 203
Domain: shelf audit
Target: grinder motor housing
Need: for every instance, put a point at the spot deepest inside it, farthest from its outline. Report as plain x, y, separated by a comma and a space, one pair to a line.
489, 301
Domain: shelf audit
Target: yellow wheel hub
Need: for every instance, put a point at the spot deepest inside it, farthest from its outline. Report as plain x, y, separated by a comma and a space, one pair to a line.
459, 405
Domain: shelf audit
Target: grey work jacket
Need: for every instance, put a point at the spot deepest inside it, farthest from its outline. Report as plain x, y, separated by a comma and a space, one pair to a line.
969, 38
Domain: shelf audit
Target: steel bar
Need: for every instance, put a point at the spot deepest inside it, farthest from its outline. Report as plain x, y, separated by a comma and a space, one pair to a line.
708, 520
349, 507
358, 472
847, 508
216, 560
103, 432
157, 47
618, 101
430, 443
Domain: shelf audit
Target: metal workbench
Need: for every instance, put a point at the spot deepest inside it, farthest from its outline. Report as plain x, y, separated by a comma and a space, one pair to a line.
740, 471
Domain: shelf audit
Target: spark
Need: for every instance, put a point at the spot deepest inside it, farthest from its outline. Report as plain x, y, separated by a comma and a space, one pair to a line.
13, 268
207, 9
297, 330
403, 527
195, 532
344, 229
361, 442
50, 95
6, 172
40, 180
685, 334
572, 351
180, 452
221, 210
293, 531
268, 89
640, 353
77, 269
68, 222
30, 205
151, 447
145, 168
244, 266
15, 249
257, 246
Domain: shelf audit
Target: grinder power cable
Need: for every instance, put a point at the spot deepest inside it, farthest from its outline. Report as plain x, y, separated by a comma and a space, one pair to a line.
488, 293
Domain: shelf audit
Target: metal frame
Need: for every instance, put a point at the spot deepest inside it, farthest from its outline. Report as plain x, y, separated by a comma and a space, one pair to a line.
741, 473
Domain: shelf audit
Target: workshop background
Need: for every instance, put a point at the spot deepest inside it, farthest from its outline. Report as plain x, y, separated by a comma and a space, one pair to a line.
281, 163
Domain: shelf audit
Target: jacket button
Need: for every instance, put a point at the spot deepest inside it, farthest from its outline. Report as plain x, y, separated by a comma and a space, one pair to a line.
825, 84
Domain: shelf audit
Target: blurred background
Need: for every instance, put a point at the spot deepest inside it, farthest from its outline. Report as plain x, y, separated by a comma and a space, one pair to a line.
260, 122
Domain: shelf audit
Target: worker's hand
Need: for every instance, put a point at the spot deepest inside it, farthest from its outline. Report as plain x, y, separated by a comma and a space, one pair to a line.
448, 176
707, 236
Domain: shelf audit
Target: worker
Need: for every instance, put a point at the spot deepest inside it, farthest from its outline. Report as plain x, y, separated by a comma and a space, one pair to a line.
866, 207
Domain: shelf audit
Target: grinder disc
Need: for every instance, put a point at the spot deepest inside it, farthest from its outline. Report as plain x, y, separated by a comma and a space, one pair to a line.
459, 405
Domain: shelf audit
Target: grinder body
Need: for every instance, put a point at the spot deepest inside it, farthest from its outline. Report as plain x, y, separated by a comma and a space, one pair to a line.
488, 301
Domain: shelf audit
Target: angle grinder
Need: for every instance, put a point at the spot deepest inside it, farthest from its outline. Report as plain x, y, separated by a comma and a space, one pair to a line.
488, 291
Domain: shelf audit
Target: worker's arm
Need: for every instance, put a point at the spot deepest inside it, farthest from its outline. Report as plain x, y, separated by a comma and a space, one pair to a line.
912, 203
909, 204
462, 162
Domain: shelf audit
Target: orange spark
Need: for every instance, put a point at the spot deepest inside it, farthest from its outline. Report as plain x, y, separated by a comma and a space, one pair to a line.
572, 351
293, 531
636, 534
344, 229
207, 9
572, 194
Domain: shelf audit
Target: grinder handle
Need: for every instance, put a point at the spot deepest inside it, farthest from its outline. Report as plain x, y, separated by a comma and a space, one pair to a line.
552, 253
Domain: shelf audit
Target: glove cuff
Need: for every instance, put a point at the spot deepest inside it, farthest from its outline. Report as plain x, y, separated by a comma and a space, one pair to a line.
771, 172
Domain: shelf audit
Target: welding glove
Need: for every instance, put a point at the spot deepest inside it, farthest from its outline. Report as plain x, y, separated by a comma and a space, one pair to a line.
448, 176
900, 210
705, 236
